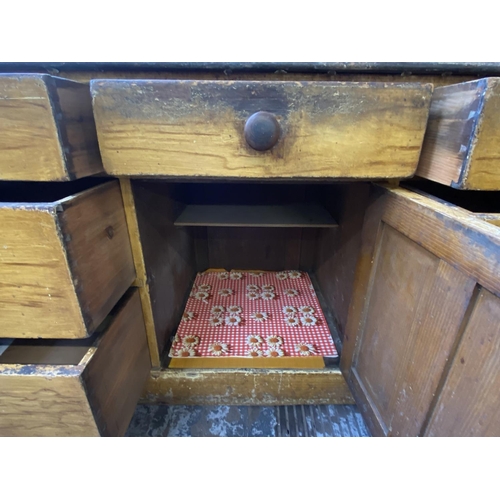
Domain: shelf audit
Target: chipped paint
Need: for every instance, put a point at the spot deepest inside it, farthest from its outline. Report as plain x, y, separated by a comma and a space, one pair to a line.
247, 421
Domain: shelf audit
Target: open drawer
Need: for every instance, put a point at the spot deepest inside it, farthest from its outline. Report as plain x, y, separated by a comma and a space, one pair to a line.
47, 130
480, 205
260, 129
76, 388
65, 258
462, 147
422, 342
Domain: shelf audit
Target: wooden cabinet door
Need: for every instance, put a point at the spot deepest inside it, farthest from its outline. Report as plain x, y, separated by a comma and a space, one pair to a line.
422, 340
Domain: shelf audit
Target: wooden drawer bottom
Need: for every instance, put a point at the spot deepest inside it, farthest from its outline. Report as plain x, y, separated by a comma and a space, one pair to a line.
76, 388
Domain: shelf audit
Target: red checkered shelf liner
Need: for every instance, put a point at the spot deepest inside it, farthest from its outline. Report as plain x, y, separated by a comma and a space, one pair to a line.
247, 313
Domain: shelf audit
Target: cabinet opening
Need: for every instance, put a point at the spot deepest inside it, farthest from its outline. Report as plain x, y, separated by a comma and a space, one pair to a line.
193, 233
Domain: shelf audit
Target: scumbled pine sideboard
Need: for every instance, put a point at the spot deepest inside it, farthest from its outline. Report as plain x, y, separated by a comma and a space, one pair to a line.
122, 185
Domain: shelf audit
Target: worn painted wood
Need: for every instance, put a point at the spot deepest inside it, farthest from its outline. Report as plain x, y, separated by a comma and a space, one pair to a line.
140, 269
424, 258
85, 76
456, 236
461, 145
491, 218
37, 295
469, 403
63, 265
93, 396
404, 348
247, 421
241, 362
247, 387
44, 400
440, 314
47, 129
195, 128
297, 215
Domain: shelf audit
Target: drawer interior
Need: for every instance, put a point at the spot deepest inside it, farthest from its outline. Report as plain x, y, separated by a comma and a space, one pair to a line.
45, 192
45, 352
55, 352
76, 387
187, 228
483, 204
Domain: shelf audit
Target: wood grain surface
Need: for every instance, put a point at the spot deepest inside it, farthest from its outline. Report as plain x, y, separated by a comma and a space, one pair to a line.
247, 387
98, 249
44, 400
37, 296
47, 129
461, 145
195, 128
63, 265
469, 402
115, 376
141, 280
68, 392
484, 169
420, 266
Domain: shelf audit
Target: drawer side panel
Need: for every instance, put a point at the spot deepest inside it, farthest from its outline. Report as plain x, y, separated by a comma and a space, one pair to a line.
98, 248
116, 374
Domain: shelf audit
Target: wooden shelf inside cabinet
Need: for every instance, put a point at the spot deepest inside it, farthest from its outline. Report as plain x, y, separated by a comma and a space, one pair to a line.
293, 215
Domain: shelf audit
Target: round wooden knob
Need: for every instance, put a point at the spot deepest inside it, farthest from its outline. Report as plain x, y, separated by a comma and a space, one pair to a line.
262, 131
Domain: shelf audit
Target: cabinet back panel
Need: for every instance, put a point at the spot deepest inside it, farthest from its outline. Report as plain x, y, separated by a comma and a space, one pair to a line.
268, 249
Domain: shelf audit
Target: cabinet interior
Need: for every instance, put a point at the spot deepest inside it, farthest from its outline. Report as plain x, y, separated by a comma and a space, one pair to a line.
174, 253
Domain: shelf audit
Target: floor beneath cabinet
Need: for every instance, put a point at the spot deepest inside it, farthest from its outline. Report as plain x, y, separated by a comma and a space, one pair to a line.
247, 421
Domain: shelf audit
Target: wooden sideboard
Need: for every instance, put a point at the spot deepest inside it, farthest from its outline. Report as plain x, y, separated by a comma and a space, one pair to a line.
95, 271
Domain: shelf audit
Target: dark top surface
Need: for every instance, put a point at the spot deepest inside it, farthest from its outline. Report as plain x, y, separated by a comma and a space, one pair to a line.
475, 68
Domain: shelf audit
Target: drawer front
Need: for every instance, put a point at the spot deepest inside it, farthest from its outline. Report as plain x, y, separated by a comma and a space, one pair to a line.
274, 130
95, 397
47, 129
462, 146
63, 265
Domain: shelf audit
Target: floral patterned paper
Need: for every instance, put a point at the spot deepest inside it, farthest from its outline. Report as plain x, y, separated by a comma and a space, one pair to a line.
253, 314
